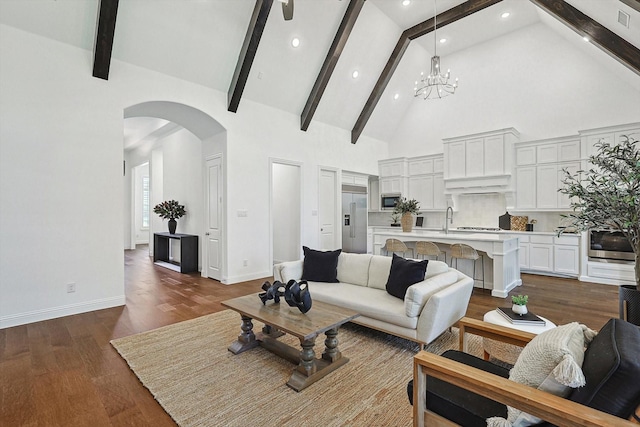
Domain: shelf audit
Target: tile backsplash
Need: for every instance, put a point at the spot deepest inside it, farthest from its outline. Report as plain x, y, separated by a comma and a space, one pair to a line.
476, 210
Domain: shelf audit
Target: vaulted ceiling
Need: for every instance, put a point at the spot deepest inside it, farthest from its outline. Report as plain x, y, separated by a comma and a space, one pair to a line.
201, 41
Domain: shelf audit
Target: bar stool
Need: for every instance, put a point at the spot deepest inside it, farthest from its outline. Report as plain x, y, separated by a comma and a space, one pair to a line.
429, 249
462, 251
395, 245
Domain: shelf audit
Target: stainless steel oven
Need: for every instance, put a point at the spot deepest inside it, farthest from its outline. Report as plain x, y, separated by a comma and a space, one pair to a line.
609, 245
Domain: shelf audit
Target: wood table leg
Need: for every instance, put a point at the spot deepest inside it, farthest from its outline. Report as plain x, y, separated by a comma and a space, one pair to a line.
331, 352
246, 339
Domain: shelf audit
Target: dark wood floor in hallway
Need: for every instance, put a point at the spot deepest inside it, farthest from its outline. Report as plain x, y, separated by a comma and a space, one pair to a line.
64, 372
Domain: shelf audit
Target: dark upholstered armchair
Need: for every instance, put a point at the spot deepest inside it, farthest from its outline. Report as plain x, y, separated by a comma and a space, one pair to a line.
461, 389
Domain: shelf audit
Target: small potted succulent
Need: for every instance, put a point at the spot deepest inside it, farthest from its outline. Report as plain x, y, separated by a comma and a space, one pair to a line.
520, 304
170, 210
407, 208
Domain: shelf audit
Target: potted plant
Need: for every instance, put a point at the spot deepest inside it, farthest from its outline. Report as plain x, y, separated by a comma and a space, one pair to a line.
170, 210
520, 304
395, 218
530, 224
406, 208
607, 196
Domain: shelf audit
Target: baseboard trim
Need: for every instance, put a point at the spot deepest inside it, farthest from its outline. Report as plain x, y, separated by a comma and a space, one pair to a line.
55, 312
244, 278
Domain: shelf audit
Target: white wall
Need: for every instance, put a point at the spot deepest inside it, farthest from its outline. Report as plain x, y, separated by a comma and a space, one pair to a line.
533, 80
61, 152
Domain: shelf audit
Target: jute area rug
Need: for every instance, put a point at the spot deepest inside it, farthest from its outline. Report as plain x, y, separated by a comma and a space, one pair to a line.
190, 372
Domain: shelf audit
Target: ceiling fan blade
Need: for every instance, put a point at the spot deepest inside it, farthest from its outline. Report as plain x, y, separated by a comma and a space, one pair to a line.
287, 10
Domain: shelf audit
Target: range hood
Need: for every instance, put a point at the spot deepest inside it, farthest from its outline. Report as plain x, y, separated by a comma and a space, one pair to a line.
481, 163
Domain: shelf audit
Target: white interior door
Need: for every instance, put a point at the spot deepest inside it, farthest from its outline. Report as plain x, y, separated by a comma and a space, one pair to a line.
286, 211
214, 220
328, 209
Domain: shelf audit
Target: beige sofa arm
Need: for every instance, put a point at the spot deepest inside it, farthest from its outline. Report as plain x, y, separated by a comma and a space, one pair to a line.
289, 270
554, 409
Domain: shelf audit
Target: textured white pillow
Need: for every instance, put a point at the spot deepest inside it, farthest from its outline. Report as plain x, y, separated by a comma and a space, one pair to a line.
353, 268
551, 362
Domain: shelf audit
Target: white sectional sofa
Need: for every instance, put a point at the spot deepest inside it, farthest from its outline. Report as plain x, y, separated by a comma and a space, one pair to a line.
429, 307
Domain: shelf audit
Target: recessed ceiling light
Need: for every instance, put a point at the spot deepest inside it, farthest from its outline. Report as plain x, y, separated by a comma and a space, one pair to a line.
355, 74
443, 41
585, 38
396, 96
505, 15
406, 2
295, 42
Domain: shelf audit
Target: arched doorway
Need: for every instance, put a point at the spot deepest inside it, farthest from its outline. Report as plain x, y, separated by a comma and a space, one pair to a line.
178, 142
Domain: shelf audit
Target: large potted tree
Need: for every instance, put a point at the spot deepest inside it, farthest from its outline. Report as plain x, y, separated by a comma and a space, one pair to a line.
607, 196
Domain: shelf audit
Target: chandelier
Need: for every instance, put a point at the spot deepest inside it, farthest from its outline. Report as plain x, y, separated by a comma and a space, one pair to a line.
435, 85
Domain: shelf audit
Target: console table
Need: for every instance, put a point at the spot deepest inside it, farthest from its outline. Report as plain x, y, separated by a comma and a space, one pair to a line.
188, 251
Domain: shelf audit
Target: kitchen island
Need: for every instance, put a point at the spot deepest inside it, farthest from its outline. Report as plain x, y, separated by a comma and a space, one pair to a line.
501, 263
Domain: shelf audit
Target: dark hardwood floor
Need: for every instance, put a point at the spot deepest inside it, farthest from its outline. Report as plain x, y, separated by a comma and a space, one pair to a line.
64, 372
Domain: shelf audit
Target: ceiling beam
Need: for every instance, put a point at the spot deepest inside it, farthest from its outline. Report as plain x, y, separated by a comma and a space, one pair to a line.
248, 53
339, 41
452, 15
605, 39
104, 38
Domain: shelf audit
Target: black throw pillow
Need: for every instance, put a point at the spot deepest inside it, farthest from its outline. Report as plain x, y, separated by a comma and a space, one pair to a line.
320, 266
404, 273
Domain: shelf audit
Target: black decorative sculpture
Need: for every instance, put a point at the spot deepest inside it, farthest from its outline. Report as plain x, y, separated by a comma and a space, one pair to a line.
296, 294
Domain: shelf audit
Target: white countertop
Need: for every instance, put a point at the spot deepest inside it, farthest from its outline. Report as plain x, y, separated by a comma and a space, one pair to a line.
440, 235
459, 231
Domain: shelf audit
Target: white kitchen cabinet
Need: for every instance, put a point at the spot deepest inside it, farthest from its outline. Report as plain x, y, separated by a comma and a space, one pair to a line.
355, 179
547, 186
526, 187
374, 194
370, 240
392, 167
393, 185
426, 183
480, 162
539, 172
523, 250
610, 134
566, 259
421, 189
541, 253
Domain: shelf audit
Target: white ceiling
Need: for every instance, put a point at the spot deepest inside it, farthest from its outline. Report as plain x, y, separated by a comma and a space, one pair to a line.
199, 41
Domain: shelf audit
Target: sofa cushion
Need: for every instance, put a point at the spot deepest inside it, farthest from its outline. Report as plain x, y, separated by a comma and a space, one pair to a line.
550, 362
611, 368
419, 293
320, 266
404, 273
369, 302
435, 267
354, 268
379, 272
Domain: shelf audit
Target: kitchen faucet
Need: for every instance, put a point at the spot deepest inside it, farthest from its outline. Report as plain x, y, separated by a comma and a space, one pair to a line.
447, 219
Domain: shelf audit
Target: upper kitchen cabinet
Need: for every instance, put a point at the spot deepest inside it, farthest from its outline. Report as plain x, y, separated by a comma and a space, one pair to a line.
425, 183
354, 178
611, 134
480, 162
539, 172
393, 176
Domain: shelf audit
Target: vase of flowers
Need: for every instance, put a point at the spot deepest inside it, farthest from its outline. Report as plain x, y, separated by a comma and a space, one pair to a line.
170, 210
406, 208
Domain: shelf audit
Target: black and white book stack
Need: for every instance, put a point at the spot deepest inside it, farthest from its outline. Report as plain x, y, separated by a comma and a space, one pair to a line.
520, 319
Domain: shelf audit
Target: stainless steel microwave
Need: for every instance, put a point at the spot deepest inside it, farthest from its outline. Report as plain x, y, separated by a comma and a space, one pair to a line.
609, 245
388, 201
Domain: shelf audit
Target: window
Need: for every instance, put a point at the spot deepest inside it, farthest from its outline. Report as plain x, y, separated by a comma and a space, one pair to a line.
145, 202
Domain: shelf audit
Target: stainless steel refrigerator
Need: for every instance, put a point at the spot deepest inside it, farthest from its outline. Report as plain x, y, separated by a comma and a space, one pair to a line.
354, 219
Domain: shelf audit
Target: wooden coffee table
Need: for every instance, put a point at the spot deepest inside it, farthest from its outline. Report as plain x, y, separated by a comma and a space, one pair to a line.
280, 319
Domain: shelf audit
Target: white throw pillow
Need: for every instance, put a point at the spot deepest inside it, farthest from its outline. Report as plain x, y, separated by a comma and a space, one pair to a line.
551, 362
353, 268
435, 267
379, 269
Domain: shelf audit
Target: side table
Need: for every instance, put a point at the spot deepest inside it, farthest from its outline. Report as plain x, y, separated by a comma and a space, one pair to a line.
508, 352
188, 251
